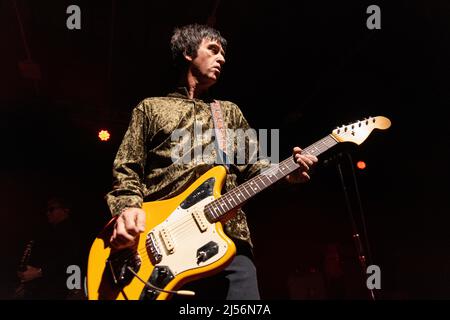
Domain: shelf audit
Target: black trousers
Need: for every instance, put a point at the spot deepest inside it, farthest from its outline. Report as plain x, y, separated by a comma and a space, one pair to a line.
238, 281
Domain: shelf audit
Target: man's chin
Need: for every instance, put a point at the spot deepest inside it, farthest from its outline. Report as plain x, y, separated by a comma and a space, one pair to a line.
211, 80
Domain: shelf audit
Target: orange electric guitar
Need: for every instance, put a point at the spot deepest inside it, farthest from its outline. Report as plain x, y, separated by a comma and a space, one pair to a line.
184, 239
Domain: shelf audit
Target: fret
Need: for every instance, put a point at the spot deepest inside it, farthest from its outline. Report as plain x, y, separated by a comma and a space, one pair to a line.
238, 194
209, 211
216, 211
319, 147
233, 195
243, 187
279, 172
222, 203
229, 201
241, 196
225, 203
253, 186
329, 141
248, 189
269, 176
262, 180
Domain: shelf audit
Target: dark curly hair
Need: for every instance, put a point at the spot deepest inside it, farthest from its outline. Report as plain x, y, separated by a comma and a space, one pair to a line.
187, 39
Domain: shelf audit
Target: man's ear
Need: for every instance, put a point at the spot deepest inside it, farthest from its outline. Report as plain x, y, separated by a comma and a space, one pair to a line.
187, 57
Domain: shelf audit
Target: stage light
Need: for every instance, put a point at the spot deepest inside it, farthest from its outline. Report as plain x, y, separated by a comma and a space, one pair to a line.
361, 165
104, 135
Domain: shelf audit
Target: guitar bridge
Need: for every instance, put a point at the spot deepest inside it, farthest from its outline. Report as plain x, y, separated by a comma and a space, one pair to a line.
155, 253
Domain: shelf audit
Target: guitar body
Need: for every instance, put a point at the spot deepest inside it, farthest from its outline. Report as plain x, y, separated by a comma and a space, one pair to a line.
179, 245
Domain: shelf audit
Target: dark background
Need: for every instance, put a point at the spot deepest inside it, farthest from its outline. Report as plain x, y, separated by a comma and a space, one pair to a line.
302, 67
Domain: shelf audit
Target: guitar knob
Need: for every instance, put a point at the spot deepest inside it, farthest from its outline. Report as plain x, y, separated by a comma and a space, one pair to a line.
201, 256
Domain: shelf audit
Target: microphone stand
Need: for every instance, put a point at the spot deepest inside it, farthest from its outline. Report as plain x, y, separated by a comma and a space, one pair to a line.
362, 258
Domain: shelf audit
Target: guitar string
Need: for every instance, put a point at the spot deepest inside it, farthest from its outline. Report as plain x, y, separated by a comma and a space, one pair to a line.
319, 146
183, 224
175, 224
288, 162
179, 223
245, 187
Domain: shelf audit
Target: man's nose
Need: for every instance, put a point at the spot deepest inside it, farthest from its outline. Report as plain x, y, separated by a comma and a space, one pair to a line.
221, 59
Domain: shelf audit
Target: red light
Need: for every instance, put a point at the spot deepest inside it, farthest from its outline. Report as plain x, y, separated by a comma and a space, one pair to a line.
361, 165
104, 135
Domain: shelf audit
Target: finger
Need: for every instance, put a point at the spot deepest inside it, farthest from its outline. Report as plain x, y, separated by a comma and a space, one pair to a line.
113, 236
306, 175
130, 223
300, 156
312, 158
296, 150
140, 221
309, 161
305, 159
114, 240
302, 163
122, 234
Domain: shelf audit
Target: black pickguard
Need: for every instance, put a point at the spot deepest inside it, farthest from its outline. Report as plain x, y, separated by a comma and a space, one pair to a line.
203, 191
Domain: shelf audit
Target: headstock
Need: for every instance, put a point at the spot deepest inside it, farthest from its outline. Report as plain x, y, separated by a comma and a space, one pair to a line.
358, 131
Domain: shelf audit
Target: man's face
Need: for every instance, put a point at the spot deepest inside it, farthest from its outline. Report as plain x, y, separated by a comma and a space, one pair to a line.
55, 212
207, 65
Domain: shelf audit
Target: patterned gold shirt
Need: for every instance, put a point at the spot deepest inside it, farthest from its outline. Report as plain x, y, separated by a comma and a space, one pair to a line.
144, 168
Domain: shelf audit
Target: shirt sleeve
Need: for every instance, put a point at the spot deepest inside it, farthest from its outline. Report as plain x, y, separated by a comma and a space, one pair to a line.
129, 165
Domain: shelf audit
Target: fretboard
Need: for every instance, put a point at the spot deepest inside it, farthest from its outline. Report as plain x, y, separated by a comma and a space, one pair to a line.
217, 209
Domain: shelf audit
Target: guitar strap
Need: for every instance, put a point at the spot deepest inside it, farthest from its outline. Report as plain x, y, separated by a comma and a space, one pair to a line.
220, 135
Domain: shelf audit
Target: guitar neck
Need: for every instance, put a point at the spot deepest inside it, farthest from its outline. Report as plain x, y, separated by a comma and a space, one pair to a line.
217, 209
26, 256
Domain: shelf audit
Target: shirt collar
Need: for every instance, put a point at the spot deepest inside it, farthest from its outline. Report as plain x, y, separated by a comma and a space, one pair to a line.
182, 92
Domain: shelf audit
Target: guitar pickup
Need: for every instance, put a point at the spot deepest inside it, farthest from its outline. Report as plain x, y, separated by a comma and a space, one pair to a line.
167, 240
201, 221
